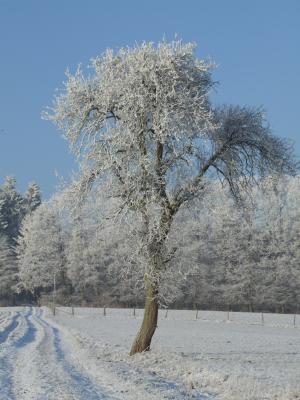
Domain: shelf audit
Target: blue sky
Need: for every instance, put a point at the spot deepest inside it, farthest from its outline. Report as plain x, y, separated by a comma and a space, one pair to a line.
256, 45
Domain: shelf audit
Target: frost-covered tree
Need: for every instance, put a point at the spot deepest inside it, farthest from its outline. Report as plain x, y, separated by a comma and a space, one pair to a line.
33, 197
8, 270
281, 240
12, 209
193, 237
240, 246
143, 127
40, 250
111, 251
96, 251
80, 263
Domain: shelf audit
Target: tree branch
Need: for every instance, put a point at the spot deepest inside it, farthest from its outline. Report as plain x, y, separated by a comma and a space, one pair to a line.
190, 189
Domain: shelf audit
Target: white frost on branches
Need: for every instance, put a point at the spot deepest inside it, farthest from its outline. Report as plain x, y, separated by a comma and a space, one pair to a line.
143, 129
40, 250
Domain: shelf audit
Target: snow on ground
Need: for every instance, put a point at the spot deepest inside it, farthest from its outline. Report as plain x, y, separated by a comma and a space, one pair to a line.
231, 360
41, 359
34, 363
85, 356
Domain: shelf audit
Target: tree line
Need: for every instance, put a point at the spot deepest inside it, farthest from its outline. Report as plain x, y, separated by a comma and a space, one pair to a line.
241, 258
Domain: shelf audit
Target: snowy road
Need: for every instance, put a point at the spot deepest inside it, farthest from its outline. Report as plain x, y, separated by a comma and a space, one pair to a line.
41, 360
34, 363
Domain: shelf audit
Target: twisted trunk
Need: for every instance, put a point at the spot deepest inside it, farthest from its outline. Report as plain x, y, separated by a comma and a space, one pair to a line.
143, 339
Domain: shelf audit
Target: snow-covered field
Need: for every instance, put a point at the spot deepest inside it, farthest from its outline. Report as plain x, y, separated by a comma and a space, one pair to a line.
85, 356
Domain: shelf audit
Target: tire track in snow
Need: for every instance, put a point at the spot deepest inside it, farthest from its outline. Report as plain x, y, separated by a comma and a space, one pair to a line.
11, 338
37, 375
4, 316
4, 334
87, 389
48, 375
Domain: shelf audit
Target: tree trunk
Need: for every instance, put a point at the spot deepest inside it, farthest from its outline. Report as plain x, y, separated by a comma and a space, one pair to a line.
143, 339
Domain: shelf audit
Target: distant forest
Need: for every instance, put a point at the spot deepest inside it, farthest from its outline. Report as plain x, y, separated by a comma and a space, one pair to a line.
223, 255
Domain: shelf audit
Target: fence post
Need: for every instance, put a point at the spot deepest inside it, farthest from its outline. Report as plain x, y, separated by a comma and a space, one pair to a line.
54, 310
294, 320
134, 312
228, 318
197, 314
166, 315
73, 311
104, 311
262, 319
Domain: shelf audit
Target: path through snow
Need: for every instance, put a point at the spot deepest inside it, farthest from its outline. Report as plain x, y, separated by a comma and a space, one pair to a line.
34, 365
41, 360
